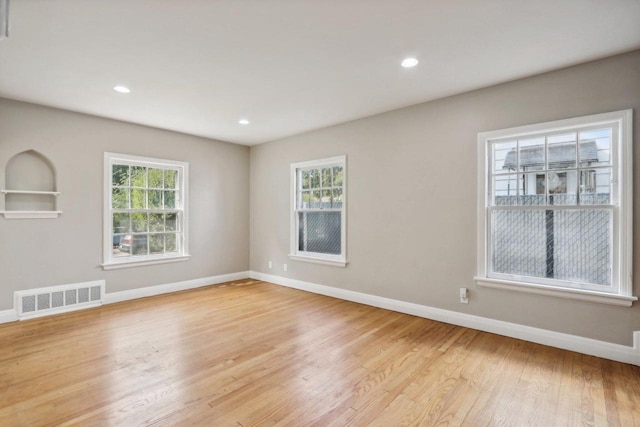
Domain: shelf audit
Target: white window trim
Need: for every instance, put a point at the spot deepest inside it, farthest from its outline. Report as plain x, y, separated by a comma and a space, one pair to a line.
110, 263
622, 211
295, 254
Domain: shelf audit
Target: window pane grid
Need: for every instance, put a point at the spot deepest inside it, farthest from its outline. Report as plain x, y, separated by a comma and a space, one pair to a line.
554, 170
563, 179
319, 188
567, 245
550, 206
318, 210
142, 187
320, 232
145, 210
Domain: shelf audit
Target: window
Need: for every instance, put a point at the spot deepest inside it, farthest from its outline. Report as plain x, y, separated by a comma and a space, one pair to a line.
555, 208
318, 216
145, 218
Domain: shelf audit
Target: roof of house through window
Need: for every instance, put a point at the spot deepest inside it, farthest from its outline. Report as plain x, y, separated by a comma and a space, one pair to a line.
559, 155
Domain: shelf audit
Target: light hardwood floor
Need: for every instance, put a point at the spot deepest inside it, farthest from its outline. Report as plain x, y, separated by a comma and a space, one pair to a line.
252, 353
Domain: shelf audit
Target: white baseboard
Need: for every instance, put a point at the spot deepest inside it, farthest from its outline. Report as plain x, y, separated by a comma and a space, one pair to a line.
11, 315
7, 316
110, 298
617, 352
606, 350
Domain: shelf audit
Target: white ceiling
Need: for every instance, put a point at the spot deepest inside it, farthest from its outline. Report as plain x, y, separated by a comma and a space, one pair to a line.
289, 66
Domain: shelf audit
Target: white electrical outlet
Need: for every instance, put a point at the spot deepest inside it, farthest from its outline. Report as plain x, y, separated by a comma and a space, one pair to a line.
270, 265
285, 267
464, 296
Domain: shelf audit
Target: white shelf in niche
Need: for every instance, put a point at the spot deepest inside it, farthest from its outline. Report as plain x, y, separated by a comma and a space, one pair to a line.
30, 214
50, 193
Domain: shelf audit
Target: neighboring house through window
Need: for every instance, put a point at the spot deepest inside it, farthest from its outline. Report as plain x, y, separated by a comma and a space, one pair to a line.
145, 218
555, 208
318, 215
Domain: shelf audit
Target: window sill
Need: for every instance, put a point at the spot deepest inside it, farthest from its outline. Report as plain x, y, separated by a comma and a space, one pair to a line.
317, 260
577, 294
142, 262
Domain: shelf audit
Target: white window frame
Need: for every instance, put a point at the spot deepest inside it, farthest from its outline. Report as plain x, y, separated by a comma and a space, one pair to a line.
314, 257
621, 196
109, 261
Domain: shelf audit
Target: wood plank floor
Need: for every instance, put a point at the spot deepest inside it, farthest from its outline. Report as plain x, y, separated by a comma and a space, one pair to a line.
251, 353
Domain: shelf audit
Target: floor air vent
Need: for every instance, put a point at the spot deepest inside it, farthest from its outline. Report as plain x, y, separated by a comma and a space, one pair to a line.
58, 299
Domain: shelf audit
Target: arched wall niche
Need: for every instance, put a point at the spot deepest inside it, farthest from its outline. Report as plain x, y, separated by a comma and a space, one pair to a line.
30, 186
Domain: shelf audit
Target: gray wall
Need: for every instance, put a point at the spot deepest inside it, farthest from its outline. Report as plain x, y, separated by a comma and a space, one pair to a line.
45, 252
411, 223
412, 198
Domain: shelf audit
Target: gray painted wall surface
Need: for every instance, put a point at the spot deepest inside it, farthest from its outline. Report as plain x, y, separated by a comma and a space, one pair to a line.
412, 187
411, 221
45, 252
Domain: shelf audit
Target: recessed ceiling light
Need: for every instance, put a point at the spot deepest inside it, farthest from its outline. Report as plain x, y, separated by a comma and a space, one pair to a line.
121, 89
409, 62
243, 121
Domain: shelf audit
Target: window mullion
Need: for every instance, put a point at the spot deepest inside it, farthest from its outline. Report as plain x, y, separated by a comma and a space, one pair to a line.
578, 170
312, 210
549, 207
518, 198
614, 164
546, 170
